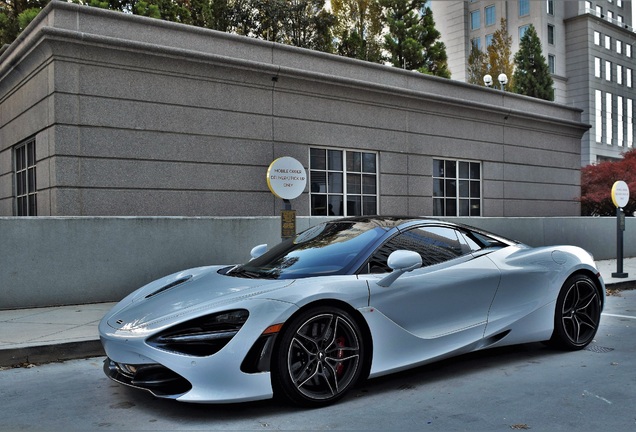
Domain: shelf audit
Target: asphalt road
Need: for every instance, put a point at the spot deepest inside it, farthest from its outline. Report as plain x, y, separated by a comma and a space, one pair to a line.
519, 388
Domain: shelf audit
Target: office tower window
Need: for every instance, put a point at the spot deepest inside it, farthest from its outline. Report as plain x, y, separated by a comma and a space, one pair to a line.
597, 67
609, 132
491, 16
550, 7
619, 121
475, 19
552, 63
598, 115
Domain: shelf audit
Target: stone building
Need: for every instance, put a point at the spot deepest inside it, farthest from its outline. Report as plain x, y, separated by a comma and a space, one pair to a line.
105, 113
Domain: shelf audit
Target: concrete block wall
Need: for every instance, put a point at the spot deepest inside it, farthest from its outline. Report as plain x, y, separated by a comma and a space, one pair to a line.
49, 261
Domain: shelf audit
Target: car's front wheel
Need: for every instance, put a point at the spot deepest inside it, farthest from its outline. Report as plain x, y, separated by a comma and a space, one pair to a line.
320, 357
578, 313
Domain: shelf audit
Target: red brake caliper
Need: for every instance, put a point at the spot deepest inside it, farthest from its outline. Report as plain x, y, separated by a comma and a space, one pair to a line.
340, 342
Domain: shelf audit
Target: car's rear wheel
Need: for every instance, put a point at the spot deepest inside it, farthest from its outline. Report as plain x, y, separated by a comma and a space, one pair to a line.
578, 313
320, 357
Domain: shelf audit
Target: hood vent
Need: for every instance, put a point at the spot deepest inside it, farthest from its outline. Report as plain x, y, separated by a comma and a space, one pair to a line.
170, 285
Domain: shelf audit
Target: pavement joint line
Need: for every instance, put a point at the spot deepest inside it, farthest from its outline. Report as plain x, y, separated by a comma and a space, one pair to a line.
618, 316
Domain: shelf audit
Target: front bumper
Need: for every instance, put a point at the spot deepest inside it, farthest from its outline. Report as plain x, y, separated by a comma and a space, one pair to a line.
217, 378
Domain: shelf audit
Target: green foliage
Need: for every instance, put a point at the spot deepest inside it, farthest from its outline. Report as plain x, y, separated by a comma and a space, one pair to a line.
25, 18
499, 52
597, 181
358, 29
147, 9
532, 76
15, 16
412, 40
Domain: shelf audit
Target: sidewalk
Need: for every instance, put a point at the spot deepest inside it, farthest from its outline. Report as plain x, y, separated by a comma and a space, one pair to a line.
68, 332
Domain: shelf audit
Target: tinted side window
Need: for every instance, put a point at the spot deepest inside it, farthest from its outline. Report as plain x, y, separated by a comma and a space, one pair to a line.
484, 241
434, 244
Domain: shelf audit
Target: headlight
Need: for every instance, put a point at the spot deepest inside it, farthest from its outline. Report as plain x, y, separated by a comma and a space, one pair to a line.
202, 336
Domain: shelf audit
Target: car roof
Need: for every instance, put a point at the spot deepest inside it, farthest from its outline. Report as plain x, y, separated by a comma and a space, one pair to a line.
401, 222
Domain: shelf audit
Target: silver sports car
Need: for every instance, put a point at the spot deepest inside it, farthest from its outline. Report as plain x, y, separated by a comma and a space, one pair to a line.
343, 301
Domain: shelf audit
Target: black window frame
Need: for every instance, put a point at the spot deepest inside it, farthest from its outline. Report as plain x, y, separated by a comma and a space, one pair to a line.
25, 179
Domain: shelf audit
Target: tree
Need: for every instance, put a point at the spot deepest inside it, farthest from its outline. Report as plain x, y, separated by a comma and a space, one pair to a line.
477, 66
412, 40
15, 15
358, 29
499, 52
597, 181
532, 76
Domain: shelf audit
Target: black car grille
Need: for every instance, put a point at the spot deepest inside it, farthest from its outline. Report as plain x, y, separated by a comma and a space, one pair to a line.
155, 378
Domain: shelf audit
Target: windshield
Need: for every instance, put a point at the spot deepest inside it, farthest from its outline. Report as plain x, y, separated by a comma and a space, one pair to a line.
325, 249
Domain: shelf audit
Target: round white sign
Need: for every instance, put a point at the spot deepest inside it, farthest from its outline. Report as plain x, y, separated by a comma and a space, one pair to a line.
286, 178
620, 194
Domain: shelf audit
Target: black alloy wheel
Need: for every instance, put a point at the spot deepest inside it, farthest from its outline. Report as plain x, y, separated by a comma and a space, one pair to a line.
320, 357
578, 313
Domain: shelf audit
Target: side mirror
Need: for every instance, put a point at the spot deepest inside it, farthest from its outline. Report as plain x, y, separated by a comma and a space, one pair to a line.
258, 250
401, 261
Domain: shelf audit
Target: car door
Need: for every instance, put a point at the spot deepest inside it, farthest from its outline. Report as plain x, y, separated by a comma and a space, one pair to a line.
449, 297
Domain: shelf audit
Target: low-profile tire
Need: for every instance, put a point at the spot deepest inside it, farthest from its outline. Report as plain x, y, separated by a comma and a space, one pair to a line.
577, 315
319, 357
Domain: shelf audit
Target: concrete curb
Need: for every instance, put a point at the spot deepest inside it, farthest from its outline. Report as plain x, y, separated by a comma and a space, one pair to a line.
16, 357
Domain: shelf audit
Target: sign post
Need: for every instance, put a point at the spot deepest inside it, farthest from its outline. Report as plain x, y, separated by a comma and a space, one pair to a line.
286, 179
620, 198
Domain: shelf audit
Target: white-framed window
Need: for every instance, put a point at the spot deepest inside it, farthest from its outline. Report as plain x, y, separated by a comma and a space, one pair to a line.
597, 38
609, 133
620, 19
491, 15
619, 46
628, 77
619, 74
608, 70
598, 115
550, 34
619, 120
610, 16
597, 67
608, 42
25, 181
475, 19
628, 50
619, 3
343, 182
456, 188
599, 11
588, 6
